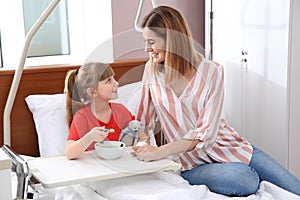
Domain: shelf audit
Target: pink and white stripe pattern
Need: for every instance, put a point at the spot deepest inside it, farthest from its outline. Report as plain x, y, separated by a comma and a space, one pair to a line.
195, 114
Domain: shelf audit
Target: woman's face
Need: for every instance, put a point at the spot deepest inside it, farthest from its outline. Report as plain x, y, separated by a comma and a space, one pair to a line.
154, 45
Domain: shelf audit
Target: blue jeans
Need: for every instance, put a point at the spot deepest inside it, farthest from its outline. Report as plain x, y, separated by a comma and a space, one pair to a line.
240, 179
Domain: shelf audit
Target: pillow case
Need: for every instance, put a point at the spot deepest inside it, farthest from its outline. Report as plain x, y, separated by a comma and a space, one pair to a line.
49, 115
129, 95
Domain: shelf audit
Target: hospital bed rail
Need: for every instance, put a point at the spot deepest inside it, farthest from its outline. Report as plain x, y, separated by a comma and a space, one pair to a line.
20, 167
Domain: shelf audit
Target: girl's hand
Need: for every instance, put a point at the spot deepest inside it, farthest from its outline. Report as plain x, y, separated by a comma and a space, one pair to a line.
75, 148
147, 153
97, 134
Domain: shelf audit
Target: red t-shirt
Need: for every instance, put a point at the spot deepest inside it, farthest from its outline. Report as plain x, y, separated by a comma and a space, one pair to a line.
84, 120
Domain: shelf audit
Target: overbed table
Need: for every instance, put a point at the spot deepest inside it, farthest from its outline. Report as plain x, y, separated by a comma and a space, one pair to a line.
59, 171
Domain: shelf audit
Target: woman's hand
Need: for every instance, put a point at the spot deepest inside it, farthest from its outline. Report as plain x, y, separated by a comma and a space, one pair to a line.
147, 153
150, 153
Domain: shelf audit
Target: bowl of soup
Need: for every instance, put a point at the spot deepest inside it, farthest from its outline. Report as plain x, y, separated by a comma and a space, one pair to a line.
110, 149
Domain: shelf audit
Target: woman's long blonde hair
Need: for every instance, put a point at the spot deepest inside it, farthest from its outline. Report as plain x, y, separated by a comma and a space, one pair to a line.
181, 56
77, 83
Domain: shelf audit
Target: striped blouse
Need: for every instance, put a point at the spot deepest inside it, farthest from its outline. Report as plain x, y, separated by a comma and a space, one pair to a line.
195, 114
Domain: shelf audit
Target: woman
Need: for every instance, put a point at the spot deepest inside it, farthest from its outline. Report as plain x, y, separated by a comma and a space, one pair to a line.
184, 92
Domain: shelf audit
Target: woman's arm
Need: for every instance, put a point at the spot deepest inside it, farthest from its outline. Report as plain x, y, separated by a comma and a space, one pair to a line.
210, 110
208, 120
149, 153
144, 108
142, 137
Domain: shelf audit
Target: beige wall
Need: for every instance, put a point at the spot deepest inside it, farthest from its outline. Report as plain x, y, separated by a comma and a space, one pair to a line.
129, 44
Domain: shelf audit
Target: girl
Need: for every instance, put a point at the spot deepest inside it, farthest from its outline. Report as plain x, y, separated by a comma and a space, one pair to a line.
89, 91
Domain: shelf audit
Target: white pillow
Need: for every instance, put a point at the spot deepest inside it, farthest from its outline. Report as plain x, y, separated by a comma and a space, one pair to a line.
49, 114
129, 95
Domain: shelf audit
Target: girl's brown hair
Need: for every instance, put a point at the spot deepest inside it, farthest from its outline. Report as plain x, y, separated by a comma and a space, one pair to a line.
77, 83
181, 56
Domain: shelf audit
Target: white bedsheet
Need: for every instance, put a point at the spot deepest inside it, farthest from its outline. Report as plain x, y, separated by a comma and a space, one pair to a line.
154, 186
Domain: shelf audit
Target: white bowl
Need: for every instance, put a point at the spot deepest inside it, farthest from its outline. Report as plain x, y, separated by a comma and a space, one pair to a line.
110, 149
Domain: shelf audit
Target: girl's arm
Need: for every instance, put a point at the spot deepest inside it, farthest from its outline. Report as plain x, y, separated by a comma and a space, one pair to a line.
75, 148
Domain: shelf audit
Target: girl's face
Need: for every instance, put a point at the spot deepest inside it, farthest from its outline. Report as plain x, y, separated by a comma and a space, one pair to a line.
154, 45
107, 89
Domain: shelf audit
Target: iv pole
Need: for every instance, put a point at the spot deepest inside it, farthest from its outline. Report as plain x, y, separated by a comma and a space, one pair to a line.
211, 17
18, 73
138, 14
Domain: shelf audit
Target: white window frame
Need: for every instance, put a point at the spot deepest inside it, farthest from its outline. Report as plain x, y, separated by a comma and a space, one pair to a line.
90, 26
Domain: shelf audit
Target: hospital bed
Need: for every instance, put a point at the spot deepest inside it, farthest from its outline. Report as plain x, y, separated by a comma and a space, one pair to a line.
40, 134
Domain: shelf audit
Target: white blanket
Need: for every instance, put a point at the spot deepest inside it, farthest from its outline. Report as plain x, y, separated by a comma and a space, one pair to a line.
154, 186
